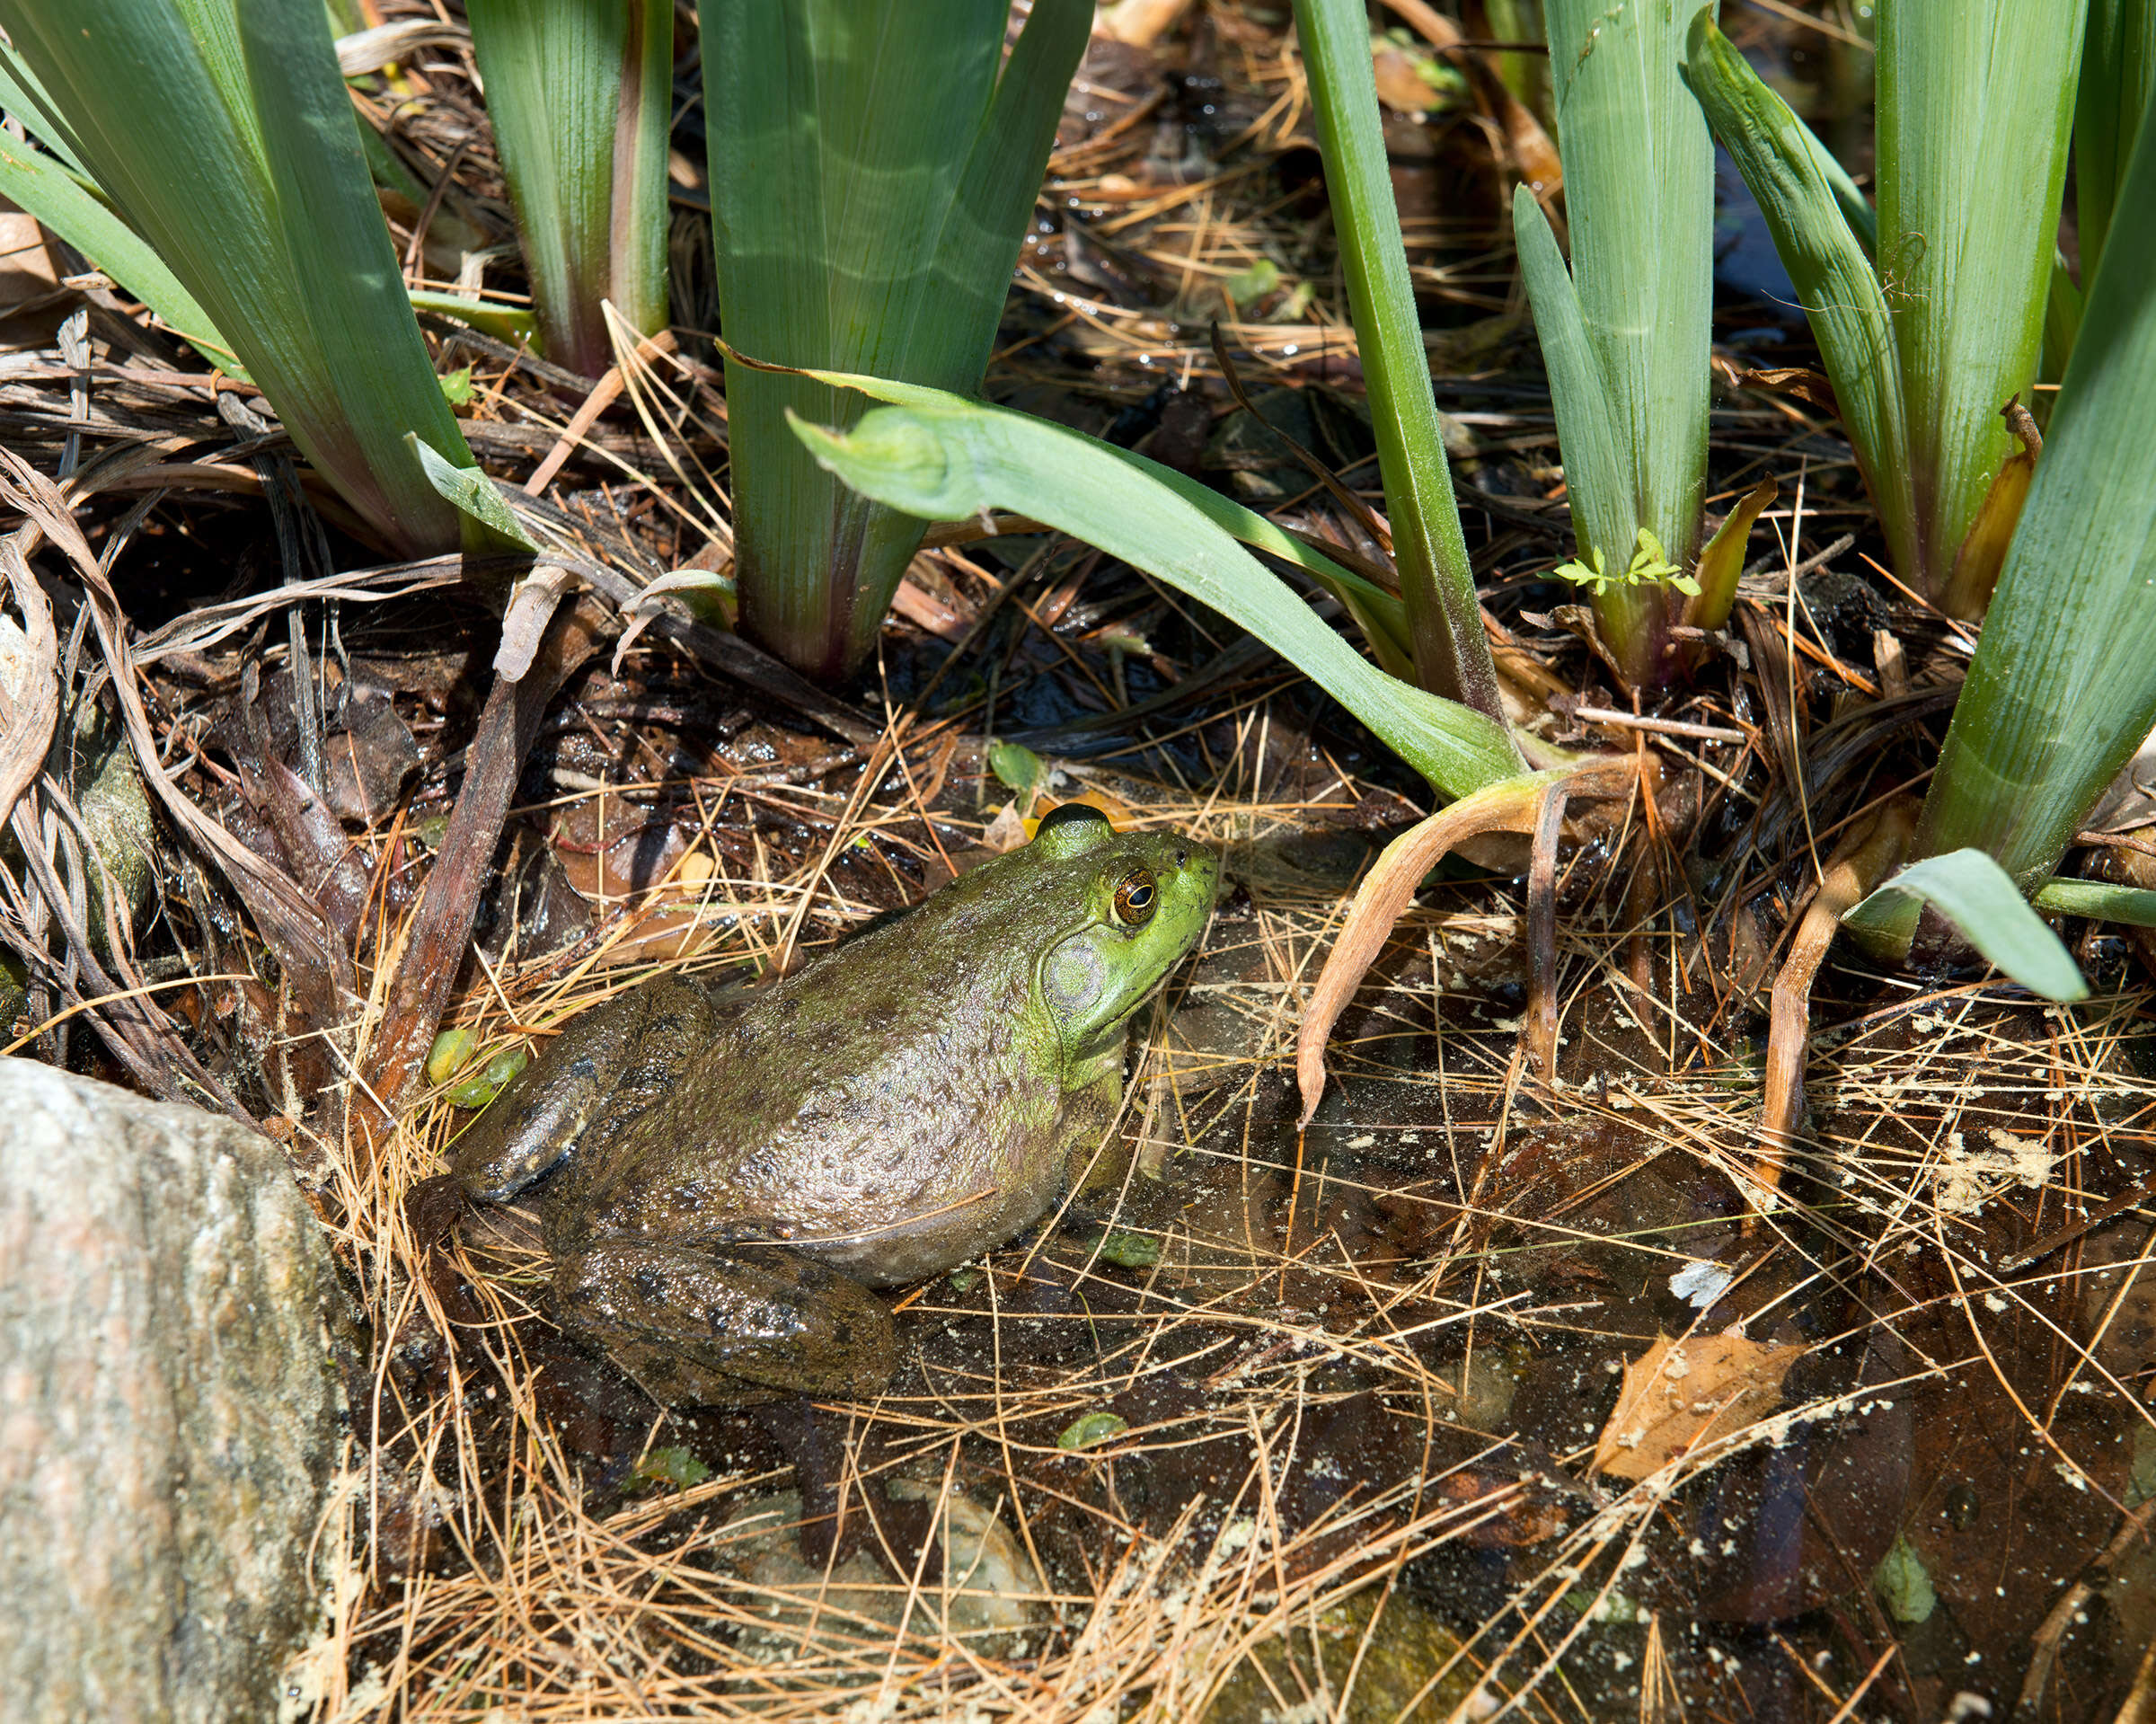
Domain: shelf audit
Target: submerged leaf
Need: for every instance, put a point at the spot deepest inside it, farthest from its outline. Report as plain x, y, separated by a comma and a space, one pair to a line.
1904, 1585
1089, 1429
1126, 1250
1681, 1396
1016, 766
677, 1467
452, 1047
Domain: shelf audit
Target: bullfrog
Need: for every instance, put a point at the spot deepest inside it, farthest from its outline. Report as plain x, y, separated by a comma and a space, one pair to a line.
722, 1180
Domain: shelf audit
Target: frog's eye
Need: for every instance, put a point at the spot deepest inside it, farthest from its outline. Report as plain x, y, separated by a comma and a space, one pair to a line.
1135, 898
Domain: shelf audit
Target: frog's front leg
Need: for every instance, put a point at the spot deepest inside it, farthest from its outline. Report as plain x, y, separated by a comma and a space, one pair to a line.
729, 1325
590, 1082
1095, 1159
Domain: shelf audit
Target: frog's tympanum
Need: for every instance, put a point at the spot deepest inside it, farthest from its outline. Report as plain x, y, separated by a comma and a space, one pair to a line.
726, 1178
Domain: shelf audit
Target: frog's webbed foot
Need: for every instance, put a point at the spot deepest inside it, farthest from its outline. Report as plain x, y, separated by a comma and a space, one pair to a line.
431, 1208
725, 1327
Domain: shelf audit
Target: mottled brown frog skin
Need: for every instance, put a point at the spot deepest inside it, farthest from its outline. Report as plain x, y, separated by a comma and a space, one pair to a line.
726, 1178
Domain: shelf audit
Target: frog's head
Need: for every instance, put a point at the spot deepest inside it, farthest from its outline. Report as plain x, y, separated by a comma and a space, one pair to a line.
1135, 903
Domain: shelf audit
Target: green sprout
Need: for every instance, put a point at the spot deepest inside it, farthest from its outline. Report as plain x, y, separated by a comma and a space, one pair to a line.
1650, 566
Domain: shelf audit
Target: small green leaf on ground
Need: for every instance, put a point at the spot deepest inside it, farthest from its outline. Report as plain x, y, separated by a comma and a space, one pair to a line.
451, 1049
1246, 286
1126, 1250
1980, 898
491, 1080
673, 1466
1091, 1428
1903, 1586
1016, 767
473, 493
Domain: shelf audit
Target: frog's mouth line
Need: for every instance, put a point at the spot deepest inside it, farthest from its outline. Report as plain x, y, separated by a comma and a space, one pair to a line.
900, 1225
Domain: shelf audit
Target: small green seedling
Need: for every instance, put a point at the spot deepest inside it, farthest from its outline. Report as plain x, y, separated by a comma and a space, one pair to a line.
1651, 567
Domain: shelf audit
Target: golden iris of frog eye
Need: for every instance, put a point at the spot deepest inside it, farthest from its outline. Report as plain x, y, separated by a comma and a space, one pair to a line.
1136, 896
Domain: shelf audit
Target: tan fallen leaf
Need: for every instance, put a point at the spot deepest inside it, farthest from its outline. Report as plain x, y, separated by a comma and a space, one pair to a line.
1681, 1394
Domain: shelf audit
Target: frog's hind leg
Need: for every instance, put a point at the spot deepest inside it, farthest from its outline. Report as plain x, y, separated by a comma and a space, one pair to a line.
716, 1326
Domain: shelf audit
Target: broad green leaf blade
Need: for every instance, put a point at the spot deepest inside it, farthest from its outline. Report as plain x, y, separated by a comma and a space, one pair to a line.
1975, 108
949, 460
864, 160
1589, 431
1978, 896
2100, 901
1380, 614
24, 98
42, 186
387, 168
2118, 67
1002, 175
1833, 278
342, 269
1849, 196
1723, 561
579, 92
1452, 652
2062, 326
2062, 687
1639, 196
223, 135
475, 496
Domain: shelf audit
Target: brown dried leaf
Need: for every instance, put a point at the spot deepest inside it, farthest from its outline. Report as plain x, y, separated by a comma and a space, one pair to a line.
1805, 384
1386, 891
318, 967
1399, 85
1868, 850
1680, 1395
29, 697
441, 926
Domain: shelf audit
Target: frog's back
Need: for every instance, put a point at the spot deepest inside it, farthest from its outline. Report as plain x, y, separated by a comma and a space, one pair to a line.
882, 1101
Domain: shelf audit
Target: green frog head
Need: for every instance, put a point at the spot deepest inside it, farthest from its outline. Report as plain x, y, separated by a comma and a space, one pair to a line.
1118, 911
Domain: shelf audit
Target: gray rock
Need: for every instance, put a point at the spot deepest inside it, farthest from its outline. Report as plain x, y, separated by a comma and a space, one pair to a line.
171, 1406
